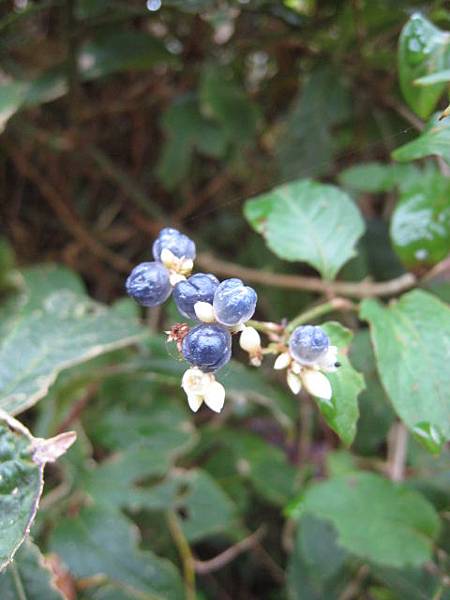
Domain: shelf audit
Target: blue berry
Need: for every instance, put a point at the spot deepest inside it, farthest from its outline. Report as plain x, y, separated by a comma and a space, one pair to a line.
207, 347
178, 243
234, 302
148, 283
198, 288
308, 342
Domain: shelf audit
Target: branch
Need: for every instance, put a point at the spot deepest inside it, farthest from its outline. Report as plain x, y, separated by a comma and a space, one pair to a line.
71, 221
185, 553
361, 289
221, 560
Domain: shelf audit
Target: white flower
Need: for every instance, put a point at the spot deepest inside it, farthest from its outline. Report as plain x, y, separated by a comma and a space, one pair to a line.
179, 268
309, 375
202, 387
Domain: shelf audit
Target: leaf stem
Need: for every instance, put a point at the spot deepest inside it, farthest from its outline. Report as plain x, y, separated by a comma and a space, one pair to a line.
185, 553
320, 310
397, 450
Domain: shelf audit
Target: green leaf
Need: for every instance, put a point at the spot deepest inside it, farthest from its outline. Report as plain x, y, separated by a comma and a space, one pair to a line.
186, 131
376, 412
375, 519
204, 506
376, 177
21, 484
316, 567
435, 139
28, 577
307, 141
423, 50
52, 332
221, 99
420, 224
341, 412
410, 338
11, 99
99, 541
308, 221
122, 50
22, 461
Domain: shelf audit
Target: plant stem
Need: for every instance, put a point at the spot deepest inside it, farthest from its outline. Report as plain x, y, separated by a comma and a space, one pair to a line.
359, 289
185, 553
320, 310
397, 450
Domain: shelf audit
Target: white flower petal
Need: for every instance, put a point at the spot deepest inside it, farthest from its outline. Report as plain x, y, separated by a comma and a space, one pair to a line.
194, 401
317, 384
193, 381
215, 396
294, 382
185, 266
328, 360
296, 367
175, 278
250, 340
204, 312
169, 259
282, 361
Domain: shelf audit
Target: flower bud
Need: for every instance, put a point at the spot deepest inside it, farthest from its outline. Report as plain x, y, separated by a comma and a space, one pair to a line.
250, 340
204, 312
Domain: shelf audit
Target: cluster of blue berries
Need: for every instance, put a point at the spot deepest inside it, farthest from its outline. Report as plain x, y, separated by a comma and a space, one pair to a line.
201, 297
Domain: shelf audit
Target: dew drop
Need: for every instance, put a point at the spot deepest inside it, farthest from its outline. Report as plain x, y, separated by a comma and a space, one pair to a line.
153, 5
421, 254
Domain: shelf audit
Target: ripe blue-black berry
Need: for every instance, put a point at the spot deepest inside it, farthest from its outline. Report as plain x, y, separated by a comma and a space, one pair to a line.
175, 241
234, 302
207, 347
307, 343
148, 283
198, 288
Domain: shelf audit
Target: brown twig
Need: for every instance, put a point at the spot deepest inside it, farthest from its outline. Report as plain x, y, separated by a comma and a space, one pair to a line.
70, 220
221, 560
361, 289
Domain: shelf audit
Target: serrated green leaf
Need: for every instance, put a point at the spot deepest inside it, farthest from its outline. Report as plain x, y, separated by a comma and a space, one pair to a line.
410, 338
28, 577
22, 461
308, 221
423, 50
341, 412
420, 224
99, 541
52, 332
375, 519
21, 484
435, 139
